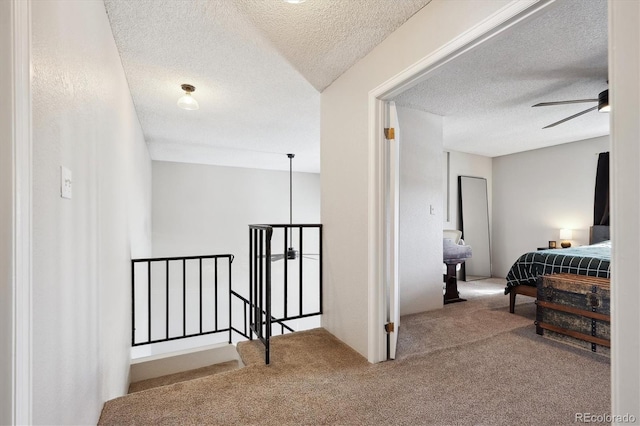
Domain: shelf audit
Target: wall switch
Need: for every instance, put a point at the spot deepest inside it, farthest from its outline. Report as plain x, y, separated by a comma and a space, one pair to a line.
66, 189
432, 209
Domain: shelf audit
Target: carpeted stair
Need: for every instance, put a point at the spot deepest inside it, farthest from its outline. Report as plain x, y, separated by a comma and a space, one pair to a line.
183, 376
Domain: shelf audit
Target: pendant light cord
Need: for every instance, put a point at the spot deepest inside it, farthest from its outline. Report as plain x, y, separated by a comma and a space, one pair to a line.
290, 189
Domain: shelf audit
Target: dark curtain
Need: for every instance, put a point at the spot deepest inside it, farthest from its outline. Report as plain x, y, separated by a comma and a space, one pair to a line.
601, 201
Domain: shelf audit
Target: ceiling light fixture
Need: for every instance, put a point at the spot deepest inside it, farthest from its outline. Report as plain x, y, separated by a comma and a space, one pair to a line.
294, 1
603, 102
187, 101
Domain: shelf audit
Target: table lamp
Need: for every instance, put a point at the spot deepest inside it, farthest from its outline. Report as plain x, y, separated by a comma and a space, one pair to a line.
565, 236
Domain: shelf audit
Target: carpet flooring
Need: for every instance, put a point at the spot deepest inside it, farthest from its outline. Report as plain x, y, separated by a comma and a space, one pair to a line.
468, 363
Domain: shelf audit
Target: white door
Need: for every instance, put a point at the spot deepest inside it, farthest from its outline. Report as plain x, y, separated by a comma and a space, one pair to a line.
392, 181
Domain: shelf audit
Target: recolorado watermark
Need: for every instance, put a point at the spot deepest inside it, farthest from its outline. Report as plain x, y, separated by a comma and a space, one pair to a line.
604, 418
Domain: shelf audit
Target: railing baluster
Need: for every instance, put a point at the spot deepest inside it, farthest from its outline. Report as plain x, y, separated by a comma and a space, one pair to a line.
215, 267
320, 261
133, 303
286, 273
256, 302
251, 256
167, 300
245, 318
230, 317
149, 300
200, 287
268, 296
300, 281
184, 297
260, 281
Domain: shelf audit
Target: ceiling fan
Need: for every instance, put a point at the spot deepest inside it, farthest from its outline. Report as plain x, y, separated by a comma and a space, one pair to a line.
603, 106
292, 253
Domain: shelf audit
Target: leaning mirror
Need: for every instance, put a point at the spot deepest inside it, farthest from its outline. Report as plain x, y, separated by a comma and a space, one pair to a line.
473, 218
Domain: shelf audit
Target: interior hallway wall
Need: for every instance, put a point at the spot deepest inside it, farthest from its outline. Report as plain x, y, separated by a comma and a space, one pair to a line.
420, 229
346, 156
83, 119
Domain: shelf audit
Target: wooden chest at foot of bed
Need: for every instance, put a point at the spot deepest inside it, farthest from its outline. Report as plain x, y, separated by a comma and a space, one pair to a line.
574, 309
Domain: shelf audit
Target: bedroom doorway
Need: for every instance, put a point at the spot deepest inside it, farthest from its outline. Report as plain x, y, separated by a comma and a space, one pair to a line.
433, 68
624, 64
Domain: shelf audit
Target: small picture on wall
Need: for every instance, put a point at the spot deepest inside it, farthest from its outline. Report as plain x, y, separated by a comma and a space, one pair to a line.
552, 244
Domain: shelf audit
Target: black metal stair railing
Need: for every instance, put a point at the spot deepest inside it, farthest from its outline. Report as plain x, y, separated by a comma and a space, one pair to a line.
168, 295
261, 315
161, 316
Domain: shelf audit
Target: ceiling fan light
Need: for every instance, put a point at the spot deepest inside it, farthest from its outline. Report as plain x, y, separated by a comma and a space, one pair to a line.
603, 102
187, 101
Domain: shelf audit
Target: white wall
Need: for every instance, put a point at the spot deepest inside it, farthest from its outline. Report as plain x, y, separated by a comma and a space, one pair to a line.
463, 164
420, 236
6, 216
203, 210
346, 155
536, 193
84, 119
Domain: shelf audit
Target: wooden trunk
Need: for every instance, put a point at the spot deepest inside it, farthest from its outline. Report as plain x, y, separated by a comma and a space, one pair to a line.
575, 309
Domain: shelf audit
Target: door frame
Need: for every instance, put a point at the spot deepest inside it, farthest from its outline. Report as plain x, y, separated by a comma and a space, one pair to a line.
19, 260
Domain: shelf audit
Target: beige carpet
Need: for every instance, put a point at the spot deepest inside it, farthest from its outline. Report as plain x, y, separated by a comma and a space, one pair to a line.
469, 363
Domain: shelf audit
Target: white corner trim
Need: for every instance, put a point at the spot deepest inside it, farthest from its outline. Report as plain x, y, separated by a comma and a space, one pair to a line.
22, 218
509, 15
624, 66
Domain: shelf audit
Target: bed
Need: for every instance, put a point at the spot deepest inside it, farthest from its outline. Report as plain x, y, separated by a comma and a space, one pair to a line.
593, 260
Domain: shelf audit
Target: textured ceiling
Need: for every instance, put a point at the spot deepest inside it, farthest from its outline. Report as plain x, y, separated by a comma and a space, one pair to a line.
257, 67
486, 95
324, 38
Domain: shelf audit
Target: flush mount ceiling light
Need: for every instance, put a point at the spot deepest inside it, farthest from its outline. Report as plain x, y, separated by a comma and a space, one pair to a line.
187, 101
294, 1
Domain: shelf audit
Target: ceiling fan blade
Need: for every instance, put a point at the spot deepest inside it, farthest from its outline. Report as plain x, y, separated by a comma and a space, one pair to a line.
571, 117
275, 257
574, 101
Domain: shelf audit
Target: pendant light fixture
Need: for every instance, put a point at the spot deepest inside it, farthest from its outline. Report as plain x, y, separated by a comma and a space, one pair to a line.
187, 101
292, 253
603, 101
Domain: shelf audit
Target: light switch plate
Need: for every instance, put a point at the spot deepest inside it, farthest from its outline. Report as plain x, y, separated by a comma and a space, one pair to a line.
432, 209
66, 188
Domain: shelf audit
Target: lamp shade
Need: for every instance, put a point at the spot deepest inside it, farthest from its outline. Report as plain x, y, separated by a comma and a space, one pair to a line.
566, 234
188, 102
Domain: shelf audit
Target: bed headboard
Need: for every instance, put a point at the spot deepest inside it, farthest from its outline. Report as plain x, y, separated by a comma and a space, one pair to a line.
598, 233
